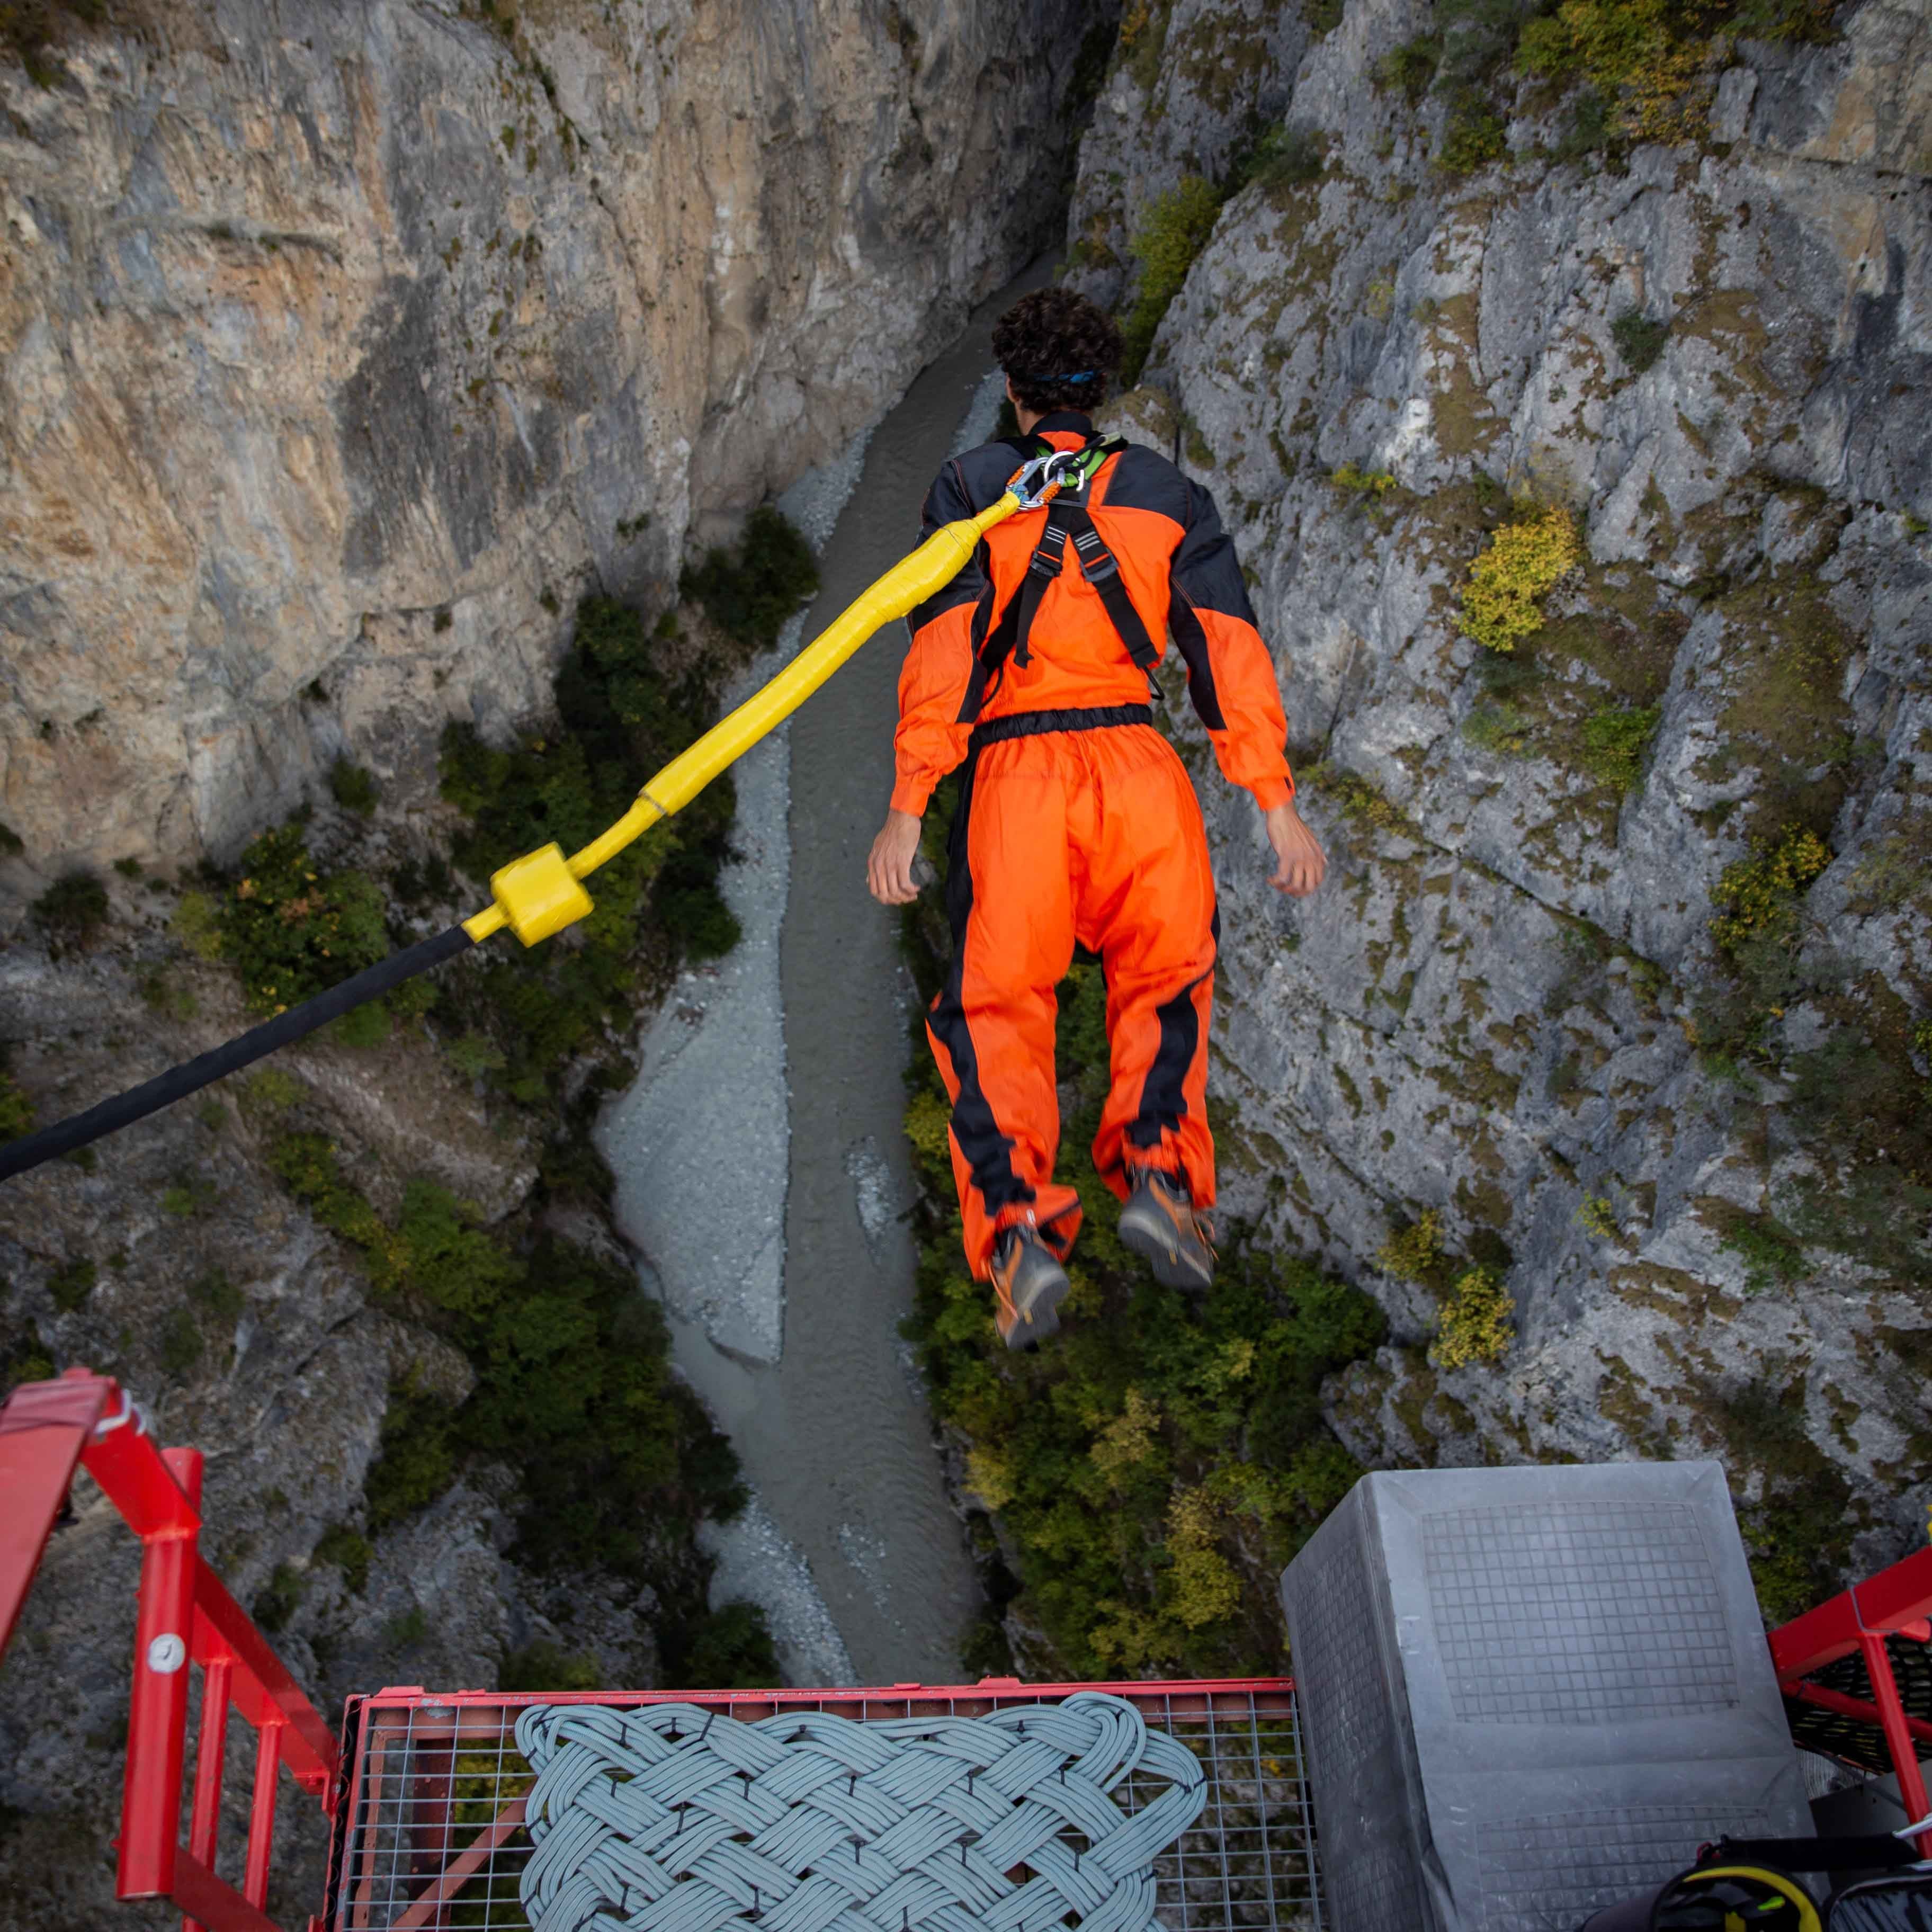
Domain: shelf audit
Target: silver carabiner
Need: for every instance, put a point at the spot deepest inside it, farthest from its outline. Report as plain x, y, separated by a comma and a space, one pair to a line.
1057, 469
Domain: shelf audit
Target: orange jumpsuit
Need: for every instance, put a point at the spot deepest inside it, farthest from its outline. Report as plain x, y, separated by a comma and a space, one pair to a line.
1076, 820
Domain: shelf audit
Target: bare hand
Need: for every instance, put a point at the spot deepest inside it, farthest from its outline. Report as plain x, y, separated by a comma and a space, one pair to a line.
1301, 863
889, 866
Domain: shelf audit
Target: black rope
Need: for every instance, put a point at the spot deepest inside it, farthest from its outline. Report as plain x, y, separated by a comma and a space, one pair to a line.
123, 1110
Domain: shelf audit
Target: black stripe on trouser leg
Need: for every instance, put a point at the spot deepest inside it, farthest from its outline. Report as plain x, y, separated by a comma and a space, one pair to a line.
989, 1152
1164, 1093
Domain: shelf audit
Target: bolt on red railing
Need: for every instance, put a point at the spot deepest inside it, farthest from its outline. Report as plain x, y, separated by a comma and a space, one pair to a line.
185, 1616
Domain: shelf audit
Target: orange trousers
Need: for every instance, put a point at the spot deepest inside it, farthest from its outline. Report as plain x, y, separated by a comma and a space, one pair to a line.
1095, 835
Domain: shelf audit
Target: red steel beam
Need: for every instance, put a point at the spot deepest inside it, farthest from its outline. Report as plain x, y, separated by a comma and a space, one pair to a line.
1884, 1604
261, 1813
1853, 1707
211, 1749
157, 1715
43, 1428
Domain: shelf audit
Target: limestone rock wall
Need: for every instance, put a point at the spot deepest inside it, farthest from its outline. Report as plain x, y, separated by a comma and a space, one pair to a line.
1503, 1007
343, 346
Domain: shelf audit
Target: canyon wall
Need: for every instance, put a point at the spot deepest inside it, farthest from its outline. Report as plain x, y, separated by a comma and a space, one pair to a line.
342, 346
1616, 995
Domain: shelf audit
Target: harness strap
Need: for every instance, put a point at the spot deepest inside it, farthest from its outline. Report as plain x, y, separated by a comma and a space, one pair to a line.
1067, 517
1037, 724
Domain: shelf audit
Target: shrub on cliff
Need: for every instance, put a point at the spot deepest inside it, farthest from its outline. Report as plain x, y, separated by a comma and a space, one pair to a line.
1176, 228
751, 590
1614, 741
1758, 897
73, 910
1502, 598
293, 931
1475, 1321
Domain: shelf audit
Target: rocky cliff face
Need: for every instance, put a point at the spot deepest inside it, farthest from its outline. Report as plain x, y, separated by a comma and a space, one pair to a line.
343, 346
1617, 993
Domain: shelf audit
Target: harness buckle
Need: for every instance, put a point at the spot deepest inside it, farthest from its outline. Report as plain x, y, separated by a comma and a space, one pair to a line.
1097, 562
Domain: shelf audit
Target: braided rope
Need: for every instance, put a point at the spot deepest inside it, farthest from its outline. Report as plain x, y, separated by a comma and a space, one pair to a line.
669, 1819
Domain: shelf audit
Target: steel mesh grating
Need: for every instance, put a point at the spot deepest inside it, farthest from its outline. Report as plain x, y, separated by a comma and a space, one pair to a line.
432, 1840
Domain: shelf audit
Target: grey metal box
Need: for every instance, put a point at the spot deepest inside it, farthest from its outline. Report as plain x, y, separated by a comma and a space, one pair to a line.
1530, 1693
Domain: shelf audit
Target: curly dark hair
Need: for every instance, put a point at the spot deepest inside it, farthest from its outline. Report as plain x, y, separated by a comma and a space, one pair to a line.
1051, 334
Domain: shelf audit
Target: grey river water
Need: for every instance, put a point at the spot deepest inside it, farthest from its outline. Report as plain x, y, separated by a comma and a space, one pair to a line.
760, 1166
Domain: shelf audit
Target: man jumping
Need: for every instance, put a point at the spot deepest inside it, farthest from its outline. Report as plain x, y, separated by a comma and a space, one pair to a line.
1075, 819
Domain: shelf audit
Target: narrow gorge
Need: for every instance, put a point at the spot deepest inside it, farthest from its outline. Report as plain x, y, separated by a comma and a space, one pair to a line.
393, 399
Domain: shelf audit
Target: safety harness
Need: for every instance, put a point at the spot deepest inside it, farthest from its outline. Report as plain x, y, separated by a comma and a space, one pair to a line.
1067, 516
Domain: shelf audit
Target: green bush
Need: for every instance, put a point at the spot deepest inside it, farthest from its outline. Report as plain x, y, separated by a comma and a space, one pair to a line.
731, 1650
1614, 741
1414, 1251
751, 591
540, 1665
1373, 484
24, 1357
1177, 227
279, 1598
180, 1345
16, 1110
1500, 729
1770, 1252
71, 1283
1639, 339
574, 1389
350, 1551
217, 1297
1410, 68
354, 787
290, 931
1475, 136
73, 910
416, 1459
1285, 156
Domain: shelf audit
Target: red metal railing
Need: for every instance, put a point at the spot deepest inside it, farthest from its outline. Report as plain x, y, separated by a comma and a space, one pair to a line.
1897, 1602
185, 1616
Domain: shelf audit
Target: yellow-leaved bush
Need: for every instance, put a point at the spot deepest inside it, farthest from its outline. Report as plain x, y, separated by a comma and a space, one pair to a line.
1760, 895
1205, 1586
1502, 600
1476, 1322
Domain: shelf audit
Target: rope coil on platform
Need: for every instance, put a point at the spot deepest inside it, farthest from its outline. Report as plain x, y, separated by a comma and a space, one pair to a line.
671, 1818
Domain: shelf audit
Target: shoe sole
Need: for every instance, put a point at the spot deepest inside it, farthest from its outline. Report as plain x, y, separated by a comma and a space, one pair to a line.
1040, 1318
1157, 1246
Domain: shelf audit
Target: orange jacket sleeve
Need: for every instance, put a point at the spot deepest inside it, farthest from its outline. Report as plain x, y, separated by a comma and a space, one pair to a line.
932, 737
1231, 676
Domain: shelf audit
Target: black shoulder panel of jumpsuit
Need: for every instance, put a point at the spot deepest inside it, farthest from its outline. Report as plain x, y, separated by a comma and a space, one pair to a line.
1205, 574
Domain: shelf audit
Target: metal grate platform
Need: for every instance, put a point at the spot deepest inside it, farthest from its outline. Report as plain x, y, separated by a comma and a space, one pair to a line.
431, 1838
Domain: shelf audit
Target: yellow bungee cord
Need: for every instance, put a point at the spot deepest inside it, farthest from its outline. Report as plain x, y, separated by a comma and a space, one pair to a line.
543, 892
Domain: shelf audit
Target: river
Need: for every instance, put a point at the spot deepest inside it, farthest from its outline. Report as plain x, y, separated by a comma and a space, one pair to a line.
760, 1163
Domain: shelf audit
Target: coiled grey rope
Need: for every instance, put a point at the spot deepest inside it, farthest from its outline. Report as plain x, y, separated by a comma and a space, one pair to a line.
670, 1819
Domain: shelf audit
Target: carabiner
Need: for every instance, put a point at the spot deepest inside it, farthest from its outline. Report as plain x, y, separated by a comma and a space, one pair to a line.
1058, 469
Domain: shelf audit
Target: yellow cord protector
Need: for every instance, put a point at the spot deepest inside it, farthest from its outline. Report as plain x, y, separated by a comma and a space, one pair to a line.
542, 893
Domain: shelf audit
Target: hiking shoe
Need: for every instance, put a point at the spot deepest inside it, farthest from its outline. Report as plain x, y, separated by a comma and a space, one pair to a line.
1161, 1223
1029, 1285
